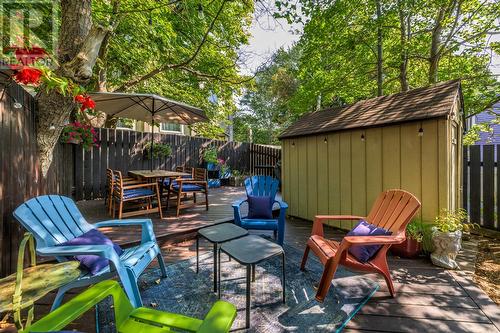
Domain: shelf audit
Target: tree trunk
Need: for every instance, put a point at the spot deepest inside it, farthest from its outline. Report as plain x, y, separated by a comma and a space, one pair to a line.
434, 55
404, 29
79, 45
380, 77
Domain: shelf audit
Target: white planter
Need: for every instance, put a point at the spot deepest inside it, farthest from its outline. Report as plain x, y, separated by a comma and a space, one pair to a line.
446, 247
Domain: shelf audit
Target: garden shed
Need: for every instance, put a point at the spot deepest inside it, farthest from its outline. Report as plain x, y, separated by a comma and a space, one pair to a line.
336, 161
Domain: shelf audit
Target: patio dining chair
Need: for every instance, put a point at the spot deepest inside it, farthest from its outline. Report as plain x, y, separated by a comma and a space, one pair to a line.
136, 192
54, 220
392, 211
110, 184
132, 319
170, 181
182, 188
262, 186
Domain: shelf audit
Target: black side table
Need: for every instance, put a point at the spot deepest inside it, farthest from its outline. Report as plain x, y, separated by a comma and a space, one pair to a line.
249, 251
216, 235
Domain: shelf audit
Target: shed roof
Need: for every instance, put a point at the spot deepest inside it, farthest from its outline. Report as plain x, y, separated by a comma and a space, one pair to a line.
417, 104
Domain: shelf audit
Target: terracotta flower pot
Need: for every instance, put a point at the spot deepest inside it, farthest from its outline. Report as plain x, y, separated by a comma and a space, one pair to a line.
410, 248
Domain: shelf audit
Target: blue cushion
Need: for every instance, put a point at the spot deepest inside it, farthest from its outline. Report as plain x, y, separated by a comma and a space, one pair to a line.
365, 252
260, 207
137, 192
92, 262
188, 187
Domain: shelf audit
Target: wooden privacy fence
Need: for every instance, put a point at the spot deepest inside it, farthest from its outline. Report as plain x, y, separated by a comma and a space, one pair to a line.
20, 176
481, 185
263, 159
124, 150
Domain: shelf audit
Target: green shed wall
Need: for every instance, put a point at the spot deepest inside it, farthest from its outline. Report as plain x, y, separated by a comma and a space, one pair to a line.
339, 173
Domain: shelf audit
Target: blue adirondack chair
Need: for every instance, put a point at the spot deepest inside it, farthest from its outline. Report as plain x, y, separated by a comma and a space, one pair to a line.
262, 186
54, 219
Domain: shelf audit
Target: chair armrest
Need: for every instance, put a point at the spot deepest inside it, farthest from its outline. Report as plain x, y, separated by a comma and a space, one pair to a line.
372, 240
219, 319
237, 211
320, 219
238, 203
147, 232
163, 318
130, 187
283, 205
105, 251
81, 303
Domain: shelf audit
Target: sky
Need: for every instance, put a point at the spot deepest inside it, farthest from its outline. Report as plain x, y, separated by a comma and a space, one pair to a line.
268, 35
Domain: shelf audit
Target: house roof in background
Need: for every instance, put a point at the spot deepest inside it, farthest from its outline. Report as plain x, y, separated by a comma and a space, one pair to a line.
486, 117
417, 104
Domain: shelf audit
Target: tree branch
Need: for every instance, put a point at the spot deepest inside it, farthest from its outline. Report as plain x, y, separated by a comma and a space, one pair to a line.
186, 62
213, 76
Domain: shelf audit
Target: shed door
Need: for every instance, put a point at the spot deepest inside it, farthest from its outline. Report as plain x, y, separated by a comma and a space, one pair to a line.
454, 159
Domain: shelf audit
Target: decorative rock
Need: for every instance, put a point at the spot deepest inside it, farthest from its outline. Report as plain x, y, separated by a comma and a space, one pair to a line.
446, 247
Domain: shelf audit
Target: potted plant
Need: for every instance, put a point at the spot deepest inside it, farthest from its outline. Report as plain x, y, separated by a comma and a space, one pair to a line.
160, 150
80, 134
225, 172
412, 246
447, 237
210, 158
236, 179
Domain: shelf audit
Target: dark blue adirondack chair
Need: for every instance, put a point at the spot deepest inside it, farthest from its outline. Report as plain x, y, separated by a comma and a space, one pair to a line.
54, 219
262, 186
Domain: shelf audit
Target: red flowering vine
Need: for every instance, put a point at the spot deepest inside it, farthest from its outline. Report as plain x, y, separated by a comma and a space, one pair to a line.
86, 102
28, 75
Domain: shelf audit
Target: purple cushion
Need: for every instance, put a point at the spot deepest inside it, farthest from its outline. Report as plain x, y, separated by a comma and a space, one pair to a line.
260, 207
364, 252
92, 262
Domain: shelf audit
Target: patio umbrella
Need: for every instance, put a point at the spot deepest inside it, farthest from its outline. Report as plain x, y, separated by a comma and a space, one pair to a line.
147, 107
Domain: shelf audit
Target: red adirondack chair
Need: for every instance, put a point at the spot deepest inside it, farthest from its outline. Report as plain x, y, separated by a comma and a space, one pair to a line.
392, 211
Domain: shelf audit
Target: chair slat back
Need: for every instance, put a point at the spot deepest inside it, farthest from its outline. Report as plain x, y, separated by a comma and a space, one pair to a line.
200, 174
109, 179
262, 186
118, 183
52, 219
179, 169
393, 210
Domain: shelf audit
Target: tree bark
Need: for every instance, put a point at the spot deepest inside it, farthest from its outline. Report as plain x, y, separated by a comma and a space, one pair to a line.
380, 74
404, 29
79, 44
435, 55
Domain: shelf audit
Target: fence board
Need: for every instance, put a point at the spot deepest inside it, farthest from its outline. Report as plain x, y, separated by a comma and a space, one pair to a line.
481, 197
475, 184
488, 186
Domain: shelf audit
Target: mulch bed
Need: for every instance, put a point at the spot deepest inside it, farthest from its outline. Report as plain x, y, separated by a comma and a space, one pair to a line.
487, 274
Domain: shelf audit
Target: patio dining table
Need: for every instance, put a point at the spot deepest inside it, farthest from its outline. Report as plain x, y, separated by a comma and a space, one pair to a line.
154, 175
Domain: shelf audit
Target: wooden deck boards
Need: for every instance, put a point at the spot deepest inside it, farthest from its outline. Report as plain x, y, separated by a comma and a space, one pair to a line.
429, 299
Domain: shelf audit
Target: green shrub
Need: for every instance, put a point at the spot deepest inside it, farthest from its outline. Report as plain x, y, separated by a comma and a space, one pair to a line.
451, 221
159, 150
210, 155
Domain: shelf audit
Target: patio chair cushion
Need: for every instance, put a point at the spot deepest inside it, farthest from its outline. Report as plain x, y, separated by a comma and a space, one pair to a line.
188, 187
93, 263
260, 207
137, 192
365, 252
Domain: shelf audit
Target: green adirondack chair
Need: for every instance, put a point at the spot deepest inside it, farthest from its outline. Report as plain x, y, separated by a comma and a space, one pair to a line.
135, 320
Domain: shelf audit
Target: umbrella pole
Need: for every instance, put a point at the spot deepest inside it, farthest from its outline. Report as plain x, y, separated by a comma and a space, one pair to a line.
152, 143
